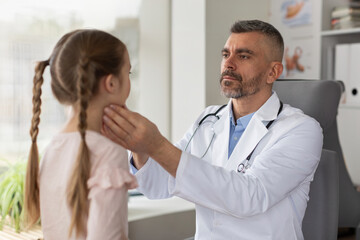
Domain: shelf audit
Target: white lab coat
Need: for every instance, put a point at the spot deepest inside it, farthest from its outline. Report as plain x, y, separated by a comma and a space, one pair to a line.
268, 201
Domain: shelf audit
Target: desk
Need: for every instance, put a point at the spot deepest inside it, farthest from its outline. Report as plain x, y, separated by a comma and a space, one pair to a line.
167, 219
8, 233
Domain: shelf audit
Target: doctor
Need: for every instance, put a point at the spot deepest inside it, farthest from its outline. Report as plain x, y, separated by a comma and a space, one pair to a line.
248, 166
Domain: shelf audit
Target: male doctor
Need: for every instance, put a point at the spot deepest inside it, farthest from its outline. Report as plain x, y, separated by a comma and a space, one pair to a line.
249, 171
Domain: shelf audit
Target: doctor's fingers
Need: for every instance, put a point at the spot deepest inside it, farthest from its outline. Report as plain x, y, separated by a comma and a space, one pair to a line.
117, 121
133, 118
135, 138
119, 136
107, 132
144, 133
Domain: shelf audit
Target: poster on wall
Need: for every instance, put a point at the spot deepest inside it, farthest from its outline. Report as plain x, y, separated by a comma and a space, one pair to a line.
298, 58
296, 12
300, 28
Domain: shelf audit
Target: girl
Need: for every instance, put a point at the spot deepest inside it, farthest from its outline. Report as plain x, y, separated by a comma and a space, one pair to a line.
81, 187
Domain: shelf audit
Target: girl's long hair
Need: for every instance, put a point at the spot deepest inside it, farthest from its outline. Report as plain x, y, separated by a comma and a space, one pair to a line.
79, 60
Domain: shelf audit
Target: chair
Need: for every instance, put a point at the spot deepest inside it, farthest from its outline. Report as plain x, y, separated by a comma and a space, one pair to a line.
319, 99
321, 217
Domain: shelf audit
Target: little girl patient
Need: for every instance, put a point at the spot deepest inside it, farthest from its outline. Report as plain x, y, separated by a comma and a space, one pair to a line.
80, 189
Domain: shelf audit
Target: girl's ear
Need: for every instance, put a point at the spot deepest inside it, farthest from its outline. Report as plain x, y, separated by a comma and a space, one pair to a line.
110, 83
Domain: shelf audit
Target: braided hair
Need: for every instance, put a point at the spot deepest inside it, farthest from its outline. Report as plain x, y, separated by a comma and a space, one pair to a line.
32, 201
79, 60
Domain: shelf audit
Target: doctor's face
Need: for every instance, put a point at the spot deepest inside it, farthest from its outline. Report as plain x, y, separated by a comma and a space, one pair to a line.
245, 65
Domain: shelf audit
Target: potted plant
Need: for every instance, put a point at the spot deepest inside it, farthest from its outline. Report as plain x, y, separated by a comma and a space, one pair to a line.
12, 194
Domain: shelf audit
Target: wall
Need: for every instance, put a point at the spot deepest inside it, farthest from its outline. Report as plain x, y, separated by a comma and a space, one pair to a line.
199, 31
154, 50
188, 63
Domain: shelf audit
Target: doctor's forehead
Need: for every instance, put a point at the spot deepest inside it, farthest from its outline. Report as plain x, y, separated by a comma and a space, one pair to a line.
254, 43
249, 40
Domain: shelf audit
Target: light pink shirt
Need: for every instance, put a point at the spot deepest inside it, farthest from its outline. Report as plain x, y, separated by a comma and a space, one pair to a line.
108, 185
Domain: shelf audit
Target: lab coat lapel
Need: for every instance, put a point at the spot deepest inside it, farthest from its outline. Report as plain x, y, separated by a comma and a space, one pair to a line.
254, 132
221, 141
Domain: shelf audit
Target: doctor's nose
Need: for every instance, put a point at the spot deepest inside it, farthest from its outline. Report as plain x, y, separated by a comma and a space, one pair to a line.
228, 64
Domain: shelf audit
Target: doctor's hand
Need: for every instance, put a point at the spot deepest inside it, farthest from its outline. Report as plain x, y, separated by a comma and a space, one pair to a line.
139, 159
131, 130
136, 133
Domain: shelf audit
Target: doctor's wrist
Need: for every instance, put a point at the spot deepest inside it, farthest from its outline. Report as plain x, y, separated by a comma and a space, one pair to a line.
139, 159
167, 155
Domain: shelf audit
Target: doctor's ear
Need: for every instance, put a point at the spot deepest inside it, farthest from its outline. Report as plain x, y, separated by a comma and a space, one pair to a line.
110, 83
275, 72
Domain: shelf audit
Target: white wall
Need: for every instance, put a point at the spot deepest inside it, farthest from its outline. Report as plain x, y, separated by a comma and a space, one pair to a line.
188, 64
199, 31
154, 65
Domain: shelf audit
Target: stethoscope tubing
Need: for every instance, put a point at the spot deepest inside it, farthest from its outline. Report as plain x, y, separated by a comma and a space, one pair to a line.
242, 166
199, 125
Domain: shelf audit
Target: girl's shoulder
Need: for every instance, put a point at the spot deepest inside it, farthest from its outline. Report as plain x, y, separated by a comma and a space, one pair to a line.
110, 167
103, 151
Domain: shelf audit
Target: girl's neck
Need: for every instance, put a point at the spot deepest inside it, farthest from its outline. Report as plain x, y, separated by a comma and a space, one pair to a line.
93, 119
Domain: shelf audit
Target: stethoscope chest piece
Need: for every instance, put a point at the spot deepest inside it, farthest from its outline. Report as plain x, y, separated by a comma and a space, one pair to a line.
241, 167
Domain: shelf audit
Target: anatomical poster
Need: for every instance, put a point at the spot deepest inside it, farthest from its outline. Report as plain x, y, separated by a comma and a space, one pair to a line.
298, 59
299, 24
296, 12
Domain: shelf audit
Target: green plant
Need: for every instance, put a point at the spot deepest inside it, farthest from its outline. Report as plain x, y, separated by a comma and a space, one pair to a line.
12, 194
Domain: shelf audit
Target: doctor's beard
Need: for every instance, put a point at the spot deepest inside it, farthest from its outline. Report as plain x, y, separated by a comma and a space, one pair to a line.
239, 88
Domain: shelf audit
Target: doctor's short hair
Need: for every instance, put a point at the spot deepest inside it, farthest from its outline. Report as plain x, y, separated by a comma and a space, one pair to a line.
268, 30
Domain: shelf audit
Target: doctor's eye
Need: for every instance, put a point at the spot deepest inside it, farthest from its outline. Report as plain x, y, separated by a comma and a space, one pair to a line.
244, 57
225, 54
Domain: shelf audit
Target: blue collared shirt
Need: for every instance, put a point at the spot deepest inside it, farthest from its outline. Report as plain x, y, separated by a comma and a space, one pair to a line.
237, 130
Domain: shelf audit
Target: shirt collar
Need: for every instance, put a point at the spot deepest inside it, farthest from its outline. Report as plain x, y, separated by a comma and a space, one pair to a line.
244, 121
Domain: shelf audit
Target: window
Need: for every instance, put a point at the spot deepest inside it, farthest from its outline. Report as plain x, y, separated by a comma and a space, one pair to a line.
28, 33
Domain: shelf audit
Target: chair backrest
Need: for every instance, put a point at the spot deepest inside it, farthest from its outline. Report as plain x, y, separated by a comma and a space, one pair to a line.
320, 100
321, 217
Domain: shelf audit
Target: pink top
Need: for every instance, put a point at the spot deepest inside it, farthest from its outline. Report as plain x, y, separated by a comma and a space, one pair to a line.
108, 185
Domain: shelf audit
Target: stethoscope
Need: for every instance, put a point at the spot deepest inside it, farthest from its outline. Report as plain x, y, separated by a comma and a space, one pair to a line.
242, 166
